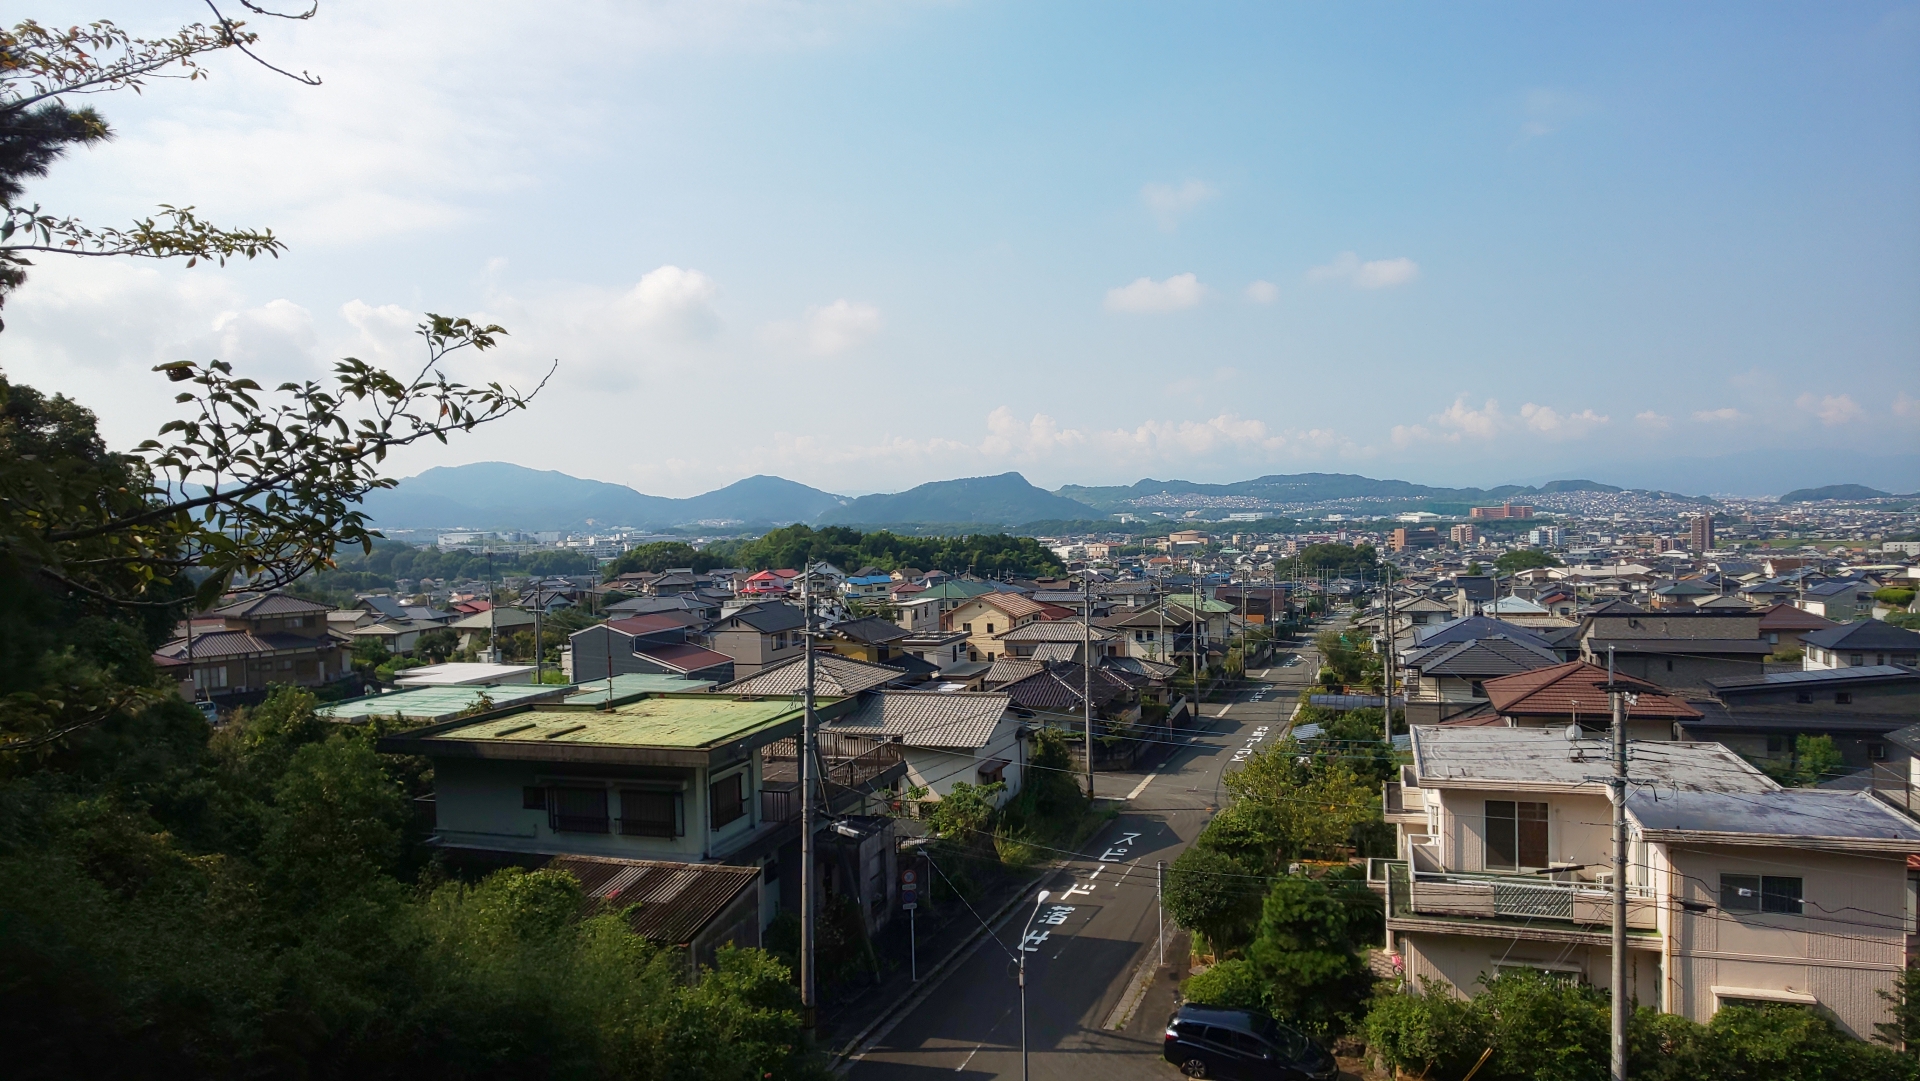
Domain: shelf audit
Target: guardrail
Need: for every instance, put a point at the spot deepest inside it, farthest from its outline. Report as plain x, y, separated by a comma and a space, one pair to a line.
1495, 896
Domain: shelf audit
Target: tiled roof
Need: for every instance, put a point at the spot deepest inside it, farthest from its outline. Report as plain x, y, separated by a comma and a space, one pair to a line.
1013, 604
1482, 657
1785, 617
670, 902
832, 675
1008, 670
770, 618
1059, 687
1471, 627
1866, 634
1140, 666
1056, 652
683, 657
1065, 630
870, 629
1871, 673
652, 623
926, 719
219, 645
1578, 687
270, 604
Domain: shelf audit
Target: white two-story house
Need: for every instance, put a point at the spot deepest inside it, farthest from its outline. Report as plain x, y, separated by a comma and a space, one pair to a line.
1738, 890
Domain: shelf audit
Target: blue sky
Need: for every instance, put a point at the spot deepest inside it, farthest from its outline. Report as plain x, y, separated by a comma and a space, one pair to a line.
866, 246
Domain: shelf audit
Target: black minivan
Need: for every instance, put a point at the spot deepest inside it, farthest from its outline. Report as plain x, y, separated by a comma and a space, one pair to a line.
1217, 1041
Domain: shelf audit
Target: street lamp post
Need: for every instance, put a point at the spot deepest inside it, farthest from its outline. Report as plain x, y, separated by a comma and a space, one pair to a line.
1038, 901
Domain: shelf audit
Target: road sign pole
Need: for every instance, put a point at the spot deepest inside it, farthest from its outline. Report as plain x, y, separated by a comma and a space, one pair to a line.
913, 942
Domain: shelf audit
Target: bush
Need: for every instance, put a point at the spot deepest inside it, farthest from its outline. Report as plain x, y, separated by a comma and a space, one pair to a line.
1894, 596
1233, 982
1429, 1033
1546, 1027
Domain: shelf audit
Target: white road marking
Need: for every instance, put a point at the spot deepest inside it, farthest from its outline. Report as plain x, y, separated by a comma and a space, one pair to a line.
1141, 787
969, 1058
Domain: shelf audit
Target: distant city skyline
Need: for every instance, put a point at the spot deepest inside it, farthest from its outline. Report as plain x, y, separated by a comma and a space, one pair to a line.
867, 247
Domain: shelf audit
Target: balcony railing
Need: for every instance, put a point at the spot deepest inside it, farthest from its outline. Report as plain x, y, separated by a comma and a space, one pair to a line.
1411, 892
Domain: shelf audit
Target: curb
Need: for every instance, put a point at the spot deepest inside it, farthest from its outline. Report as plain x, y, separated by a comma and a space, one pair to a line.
841, 1060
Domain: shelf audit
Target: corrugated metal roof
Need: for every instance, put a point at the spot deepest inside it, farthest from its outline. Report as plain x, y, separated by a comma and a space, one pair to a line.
832, 674
920, 719
675, 900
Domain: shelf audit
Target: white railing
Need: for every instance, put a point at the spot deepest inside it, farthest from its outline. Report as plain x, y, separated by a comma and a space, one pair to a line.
1498, 896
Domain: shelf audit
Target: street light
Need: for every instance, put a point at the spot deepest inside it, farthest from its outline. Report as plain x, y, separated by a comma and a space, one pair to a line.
1038, 901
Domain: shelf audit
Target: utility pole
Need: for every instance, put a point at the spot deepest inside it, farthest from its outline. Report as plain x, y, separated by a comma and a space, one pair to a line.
493, 614
1386, 657
1160, 902
1086, 667
537, 606
809, 909
1617, 788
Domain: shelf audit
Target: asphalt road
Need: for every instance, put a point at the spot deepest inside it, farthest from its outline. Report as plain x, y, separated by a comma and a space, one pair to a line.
1095, 932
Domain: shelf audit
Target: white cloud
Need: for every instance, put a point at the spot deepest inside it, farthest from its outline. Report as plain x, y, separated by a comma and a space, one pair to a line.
1716, 416
674, 302
1170, 204
1551, 422
1656, 421
1904, 406
1147, 295
1263, 292
1461, 423
1547, 111
840, 326
1371, 274
1832, 409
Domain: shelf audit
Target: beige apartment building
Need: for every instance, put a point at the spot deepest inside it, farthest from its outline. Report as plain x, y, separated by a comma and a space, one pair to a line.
1738, 890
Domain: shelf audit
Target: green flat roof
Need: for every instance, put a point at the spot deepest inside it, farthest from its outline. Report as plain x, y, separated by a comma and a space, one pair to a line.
437, 703
678, 723
593, 692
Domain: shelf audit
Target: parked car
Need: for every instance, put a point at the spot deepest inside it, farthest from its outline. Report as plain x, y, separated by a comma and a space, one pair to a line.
1216, 1041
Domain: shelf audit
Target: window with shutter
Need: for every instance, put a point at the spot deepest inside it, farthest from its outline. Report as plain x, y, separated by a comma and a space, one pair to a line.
578, 810
728, 799
649, 814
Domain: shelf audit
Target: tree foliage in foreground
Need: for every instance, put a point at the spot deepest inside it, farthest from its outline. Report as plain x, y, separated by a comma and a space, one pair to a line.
257, 902
1542, 1026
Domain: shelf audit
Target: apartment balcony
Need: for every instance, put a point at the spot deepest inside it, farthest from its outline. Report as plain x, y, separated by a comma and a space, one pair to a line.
851, 770
1502, 905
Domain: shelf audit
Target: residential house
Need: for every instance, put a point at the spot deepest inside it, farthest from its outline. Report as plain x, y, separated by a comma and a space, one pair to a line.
1056, 641
769, 584
868, 639
465, 674
689, 779
1678, 649
655, 644
758, 636
1853, 645
917, 615
867, 588
477, 630
695, 606
1447, 680
944, 650
1739, 891
1760, 717
1838, 599
987, 616
1576, 693
434, 704
833, 676
944, 739
260, 641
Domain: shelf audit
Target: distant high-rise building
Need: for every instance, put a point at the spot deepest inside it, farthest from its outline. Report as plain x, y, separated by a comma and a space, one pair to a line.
1506, 510
1463, 534
1701, 533
1546, 536
1403, 539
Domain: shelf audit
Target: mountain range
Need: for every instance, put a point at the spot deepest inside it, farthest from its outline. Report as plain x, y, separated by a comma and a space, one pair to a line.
500, 495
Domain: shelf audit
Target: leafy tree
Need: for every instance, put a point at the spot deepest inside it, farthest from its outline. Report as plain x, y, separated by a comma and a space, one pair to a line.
1815, 759
44, 66
1426, 1034
1212, 893
985, 554
659, 556
1345, 560
1894, 596
437, 645
1904, 1029
1305, 955
1521, 559
369, 654
1232, 982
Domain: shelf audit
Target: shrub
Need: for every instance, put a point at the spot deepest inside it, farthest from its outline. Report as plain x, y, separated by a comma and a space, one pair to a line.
1426, 1033
1233, 982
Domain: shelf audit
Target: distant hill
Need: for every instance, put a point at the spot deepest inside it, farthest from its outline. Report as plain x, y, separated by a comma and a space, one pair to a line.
1313, 487
500, 495
1833, 491
1003, 500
